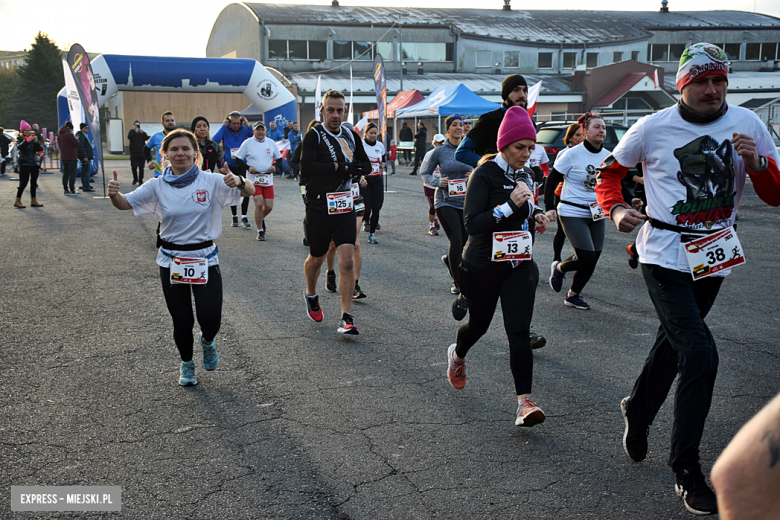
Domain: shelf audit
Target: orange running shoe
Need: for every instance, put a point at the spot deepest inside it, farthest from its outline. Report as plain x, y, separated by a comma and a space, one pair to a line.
456, 372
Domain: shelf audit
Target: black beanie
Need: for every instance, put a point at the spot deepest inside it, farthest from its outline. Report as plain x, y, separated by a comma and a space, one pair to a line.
510, 83
195, 122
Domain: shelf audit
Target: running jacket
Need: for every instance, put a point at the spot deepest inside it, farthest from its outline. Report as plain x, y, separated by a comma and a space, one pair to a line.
490, 185
320, 149
231, 141
482, 138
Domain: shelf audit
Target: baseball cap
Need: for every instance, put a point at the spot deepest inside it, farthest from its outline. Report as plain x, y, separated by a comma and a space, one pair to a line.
439, 138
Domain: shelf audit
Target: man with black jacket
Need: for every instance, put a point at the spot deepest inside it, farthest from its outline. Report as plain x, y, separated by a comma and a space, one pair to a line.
420, 142
85, 156
137, 138
405, 135
4, 143
331, 157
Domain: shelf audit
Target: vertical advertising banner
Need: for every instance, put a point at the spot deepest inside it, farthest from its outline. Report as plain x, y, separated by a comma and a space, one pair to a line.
74, 100
380, 87
81, 70
317, 100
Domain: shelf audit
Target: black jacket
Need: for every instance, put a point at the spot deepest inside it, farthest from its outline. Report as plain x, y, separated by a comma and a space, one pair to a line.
209, 152
489, 186
421, 138
28, 151
85, 149
137, 141
405, 134
320, 149
485, 131
4, 142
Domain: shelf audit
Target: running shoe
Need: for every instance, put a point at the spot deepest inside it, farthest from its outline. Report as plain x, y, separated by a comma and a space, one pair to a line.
67, 192
455, 288
460, 307
699, 499
210, 356
537, 340
187, 373
575, 301
74, 192
245, 222
378, 226
456, 372
264, 229
432, 231
556, 277
445, 259
235, 221
365, 225
528, 413
358, 293
635, 435
372, 238
348, 325
633, 256
436, 223
313, 308
330, 281
261, 235
305, 242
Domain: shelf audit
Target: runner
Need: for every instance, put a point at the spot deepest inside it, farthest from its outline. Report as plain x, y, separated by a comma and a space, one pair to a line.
154, 143
499, 199
374, 193
449, 196
580, 214
231, 135
572, 138
331, 158
429, 189
209, 150
188, 202
696, 158
259, 155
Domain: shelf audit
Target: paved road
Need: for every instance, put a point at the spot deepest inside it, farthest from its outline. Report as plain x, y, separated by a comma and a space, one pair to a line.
299, 422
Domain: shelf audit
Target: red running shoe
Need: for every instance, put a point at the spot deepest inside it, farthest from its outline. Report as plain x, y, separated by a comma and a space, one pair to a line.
313, 308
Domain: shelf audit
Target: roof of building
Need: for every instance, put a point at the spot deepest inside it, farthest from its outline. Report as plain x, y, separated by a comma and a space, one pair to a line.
619, 90
542, 26
758, 102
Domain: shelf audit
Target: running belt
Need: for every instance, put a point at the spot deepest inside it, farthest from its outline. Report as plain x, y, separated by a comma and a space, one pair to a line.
187, 247
581, 206
678, 229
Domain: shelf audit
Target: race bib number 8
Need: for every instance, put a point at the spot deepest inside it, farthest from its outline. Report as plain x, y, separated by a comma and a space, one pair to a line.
457, 187
189, 270
339, 202
713, 253
512, 245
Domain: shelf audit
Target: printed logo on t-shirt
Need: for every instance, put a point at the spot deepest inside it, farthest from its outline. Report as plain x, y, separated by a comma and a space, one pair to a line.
707, 172
590, 178
201, 197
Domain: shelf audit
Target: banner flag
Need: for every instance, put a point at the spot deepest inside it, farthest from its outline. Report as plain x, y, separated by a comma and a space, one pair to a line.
74, 101
78, 62
380, 87
533, 97
317, 100
351, 116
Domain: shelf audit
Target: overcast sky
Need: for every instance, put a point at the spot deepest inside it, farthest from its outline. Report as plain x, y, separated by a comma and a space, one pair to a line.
161, 28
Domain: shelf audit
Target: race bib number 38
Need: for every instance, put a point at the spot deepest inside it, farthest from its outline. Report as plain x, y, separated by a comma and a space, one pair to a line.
189, 270
713, 253
512, 245
339, 202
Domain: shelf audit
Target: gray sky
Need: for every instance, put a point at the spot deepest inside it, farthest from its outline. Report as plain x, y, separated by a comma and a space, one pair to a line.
161, 28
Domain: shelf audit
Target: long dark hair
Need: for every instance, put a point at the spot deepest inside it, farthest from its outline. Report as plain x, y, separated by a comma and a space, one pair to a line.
570, 133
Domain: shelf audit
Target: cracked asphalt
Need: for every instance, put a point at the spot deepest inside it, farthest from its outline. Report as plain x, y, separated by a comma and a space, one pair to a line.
299, 422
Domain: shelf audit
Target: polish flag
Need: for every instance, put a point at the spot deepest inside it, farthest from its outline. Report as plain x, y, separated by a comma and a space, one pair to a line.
361, 124
284, 147
655, 78
533, 97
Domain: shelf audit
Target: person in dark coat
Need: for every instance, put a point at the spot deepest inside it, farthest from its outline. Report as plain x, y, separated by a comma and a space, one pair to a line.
85, 156
137, 139
28, 147
406, 135
5, 142
209, 150
69, 154
420, 142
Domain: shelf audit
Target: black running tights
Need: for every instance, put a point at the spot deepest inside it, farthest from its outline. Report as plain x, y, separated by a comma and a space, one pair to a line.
373, 197
208, 306
451, 220
244, 206
558, 241
517, 290
27, 174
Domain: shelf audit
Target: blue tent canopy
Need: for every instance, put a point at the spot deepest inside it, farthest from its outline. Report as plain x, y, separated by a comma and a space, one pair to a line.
448, 100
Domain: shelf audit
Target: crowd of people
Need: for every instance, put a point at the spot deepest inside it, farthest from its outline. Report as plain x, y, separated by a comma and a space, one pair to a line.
483, 185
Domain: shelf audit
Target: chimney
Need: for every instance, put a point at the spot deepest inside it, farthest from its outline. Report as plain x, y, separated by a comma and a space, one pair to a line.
664, 6
335, 3
507, 7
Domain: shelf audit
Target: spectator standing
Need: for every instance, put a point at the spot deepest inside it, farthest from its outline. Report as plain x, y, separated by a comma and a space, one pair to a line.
4, 143
85, 156
294, 136
69, 154
137, 139
274, 133
420, 141
27, 146
405, 135
391, 156
287, 129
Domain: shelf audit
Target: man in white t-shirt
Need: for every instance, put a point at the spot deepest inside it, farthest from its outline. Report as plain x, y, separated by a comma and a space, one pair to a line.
263, 159
696, 157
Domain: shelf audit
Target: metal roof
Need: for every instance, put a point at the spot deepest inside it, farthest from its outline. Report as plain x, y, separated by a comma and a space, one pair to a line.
758, 102
542, 26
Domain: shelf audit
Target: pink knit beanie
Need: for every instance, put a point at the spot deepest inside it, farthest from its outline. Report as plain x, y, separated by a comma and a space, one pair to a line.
24, 126
516, 126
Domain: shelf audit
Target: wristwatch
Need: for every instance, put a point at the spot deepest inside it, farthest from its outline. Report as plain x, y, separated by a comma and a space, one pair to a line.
243, 182
762, 163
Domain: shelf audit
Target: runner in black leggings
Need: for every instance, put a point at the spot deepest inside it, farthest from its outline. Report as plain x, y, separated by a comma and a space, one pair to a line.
499, 199
374, 193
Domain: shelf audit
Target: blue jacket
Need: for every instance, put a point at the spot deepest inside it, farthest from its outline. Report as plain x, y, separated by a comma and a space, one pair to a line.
295, 139
275, 134
231, 141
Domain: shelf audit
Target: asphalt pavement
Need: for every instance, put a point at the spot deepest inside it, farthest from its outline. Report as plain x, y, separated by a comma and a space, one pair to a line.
301, 422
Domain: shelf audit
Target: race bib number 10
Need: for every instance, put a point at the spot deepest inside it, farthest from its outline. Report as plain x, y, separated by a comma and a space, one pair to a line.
713, 253
339, 202
512, 245
189, 270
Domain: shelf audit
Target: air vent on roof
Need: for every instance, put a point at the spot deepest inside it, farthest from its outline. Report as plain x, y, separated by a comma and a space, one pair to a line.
507, 7
664, 6
334, 3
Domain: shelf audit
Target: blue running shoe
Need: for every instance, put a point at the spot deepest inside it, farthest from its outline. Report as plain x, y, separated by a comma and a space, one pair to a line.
187, 373
210, 357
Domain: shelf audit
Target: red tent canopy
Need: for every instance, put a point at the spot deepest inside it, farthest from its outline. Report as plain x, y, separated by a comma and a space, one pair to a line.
403, 99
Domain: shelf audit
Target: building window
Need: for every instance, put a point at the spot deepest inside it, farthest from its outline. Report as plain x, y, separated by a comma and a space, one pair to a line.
318, 50
752, 51
569, 60
342, 50
658, 52
385, 49
675, 51
511, 59
362, 51
768, 51
484, 58
426, 52
277, 49
631, 103
297, 49
617, 57
592, 60
557, 115
635, 55
545, 60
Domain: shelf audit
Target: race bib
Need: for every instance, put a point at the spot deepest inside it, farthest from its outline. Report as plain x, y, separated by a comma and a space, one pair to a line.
354, 188
596, 212
233, 152
375, 168
710, 254
189, 270
264, 179
339, 202
456, 187
512, 245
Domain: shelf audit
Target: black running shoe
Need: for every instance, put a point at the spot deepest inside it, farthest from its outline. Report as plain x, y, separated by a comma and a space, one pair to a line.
537, 340
235, 221
330, 281
347, 325
261, 235
699, 499
445, 259
635, 435
460, 307
556, 277
455, 288
358, 293
633, 256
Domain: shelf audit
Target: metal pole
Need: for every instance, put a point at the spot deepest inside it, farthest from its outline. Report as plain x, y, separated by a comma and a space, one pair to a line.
401, 55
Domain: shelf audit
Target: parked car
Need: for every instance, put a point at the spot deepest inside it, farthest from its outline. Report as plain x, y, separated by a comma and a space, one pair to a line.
550, 135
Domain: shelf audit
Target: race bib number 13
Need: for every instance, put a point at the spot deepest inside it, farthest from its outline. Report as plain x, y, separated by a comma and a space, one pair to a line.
512, 245
713, 253
189, 270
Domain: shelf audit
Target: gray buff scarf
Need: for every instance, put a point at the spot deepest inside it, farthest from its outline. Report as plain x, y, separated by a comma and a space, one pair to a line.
183, 180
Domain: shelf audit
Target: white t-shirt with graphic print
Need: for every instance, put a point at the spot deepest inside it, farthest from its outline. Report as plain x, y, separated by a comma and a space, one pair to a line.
578, 166
693, 176
260, 155
189, 215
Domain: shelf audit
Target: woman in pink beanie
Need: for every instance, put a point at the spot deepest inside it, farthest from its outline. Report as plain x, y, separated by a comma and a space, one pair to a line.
28, 148
499, 203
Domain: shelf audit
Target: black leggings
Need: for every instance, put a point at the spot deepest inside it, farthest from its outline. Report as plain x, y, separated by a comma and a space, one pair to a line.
27, 174
244, 207
455, 228
208, 306
373, 197
558, 241
517, 290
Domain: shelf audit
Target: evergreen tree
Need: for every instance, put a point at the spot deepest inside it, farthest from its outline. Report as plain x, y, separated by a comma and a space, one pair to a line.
9, 81
40, 80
